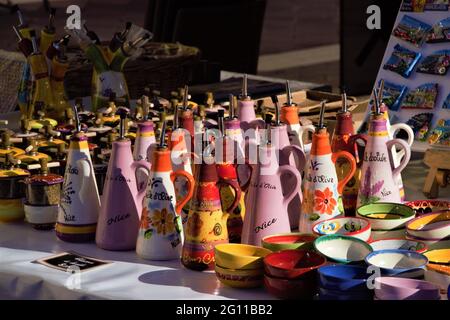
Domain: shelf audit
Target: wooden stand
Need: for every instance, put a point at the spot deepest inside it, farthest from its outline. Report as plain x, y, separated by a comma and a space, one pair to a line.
439, 174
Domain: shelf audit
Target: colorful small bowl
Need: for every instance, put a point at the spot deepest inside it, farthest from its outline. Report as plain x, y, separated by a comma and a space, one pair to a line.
398, 243
342, 249
422, 207
303, 288
348, 226
438, 256
327, 294
430, 226
246, 278
240, 256
292, 264
386, 216
288, 241
392, 288
393, 262
343, 278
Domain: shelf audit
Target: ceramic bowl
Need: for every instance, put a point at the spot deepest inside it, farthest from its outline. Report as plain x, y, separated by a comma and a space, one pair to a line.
342, 249
303, 288
292, 264
439, 256
430, 226
439, 275
240, 256
327, 294
288, 241
401, 244
422, 207
392, 262
343, 278
247, 278
352, 227
431, 243
386, 216
388, 234
392, 288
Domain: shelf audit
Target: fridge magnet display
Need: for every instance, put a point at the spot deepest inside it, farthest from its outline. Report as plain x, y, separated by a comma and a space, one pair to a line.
437, 63
393, 95
412, 30
446, 104
71, 261
402, 61
440, 32
420, 124
423, 97
440, 135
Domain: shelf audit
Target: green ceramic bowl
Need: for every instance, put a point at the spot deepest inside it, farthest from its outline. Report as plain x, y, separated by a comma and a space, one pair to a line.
386, 216
289, 241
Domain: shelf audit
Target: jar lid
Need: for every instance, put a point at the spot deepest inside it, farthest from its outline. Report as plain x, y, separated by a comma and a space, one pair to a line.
44, 179
9, 173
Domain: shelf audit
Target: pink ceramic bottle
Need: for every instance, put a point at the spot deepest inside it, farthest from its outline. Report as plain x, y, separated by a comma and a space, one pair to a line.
266, 206
378, 175
145, 140
119, 218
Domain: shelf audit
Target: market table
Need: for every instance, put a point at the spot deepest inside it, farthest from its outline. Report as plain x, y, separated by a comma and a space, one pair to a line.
129, 277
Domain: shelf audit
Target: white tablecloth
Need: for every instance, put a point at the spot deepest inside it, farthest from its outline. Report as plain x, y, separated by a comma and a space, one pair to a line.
129, 277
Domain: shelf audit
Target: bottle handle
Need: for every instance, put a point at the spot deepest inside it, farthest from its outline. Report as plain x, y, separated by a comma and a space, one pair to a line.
135, 166
296, 150
298, 181
403, 126
237, 192
404, 145
190, 186
86, 170
301, 132
352, 161
352, 142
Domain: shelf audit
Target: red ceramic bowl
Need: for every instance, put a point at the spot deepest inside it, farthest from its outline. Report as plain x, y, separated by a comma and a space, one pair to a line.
422, 207
292, 264
304, 288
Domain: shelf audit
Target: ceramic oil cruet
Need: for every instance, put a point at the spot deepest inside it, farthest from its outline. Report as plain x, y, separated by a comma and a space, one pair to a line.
160, 234
80, 202
187, 116
322, 189
207, 223
344, 139
378, 172
289, 116
266, 206
246, 115
226, 169
118, 221
285, 153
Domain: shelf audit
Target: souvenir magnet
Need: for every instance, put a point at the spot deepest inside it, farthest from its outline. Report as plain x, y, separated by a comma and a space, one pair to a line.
412, 30
402, 61
436, 63
393, 95
423, 97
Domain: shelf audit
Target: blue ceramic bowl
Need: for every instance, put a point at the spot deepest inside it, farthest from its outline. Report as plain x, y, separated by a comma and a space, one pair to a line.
393, 261
326, 294
343, 278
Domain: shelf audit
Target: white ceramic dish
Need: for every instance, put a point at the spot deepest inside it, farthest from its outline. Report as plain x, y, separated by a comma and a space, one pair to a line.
341, 248
347, 226
430, 226
402, 244
393, 262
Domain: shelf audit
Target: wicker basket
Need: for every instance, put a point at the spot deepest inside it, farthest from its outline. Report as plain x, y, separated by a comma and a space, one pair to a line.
163, 66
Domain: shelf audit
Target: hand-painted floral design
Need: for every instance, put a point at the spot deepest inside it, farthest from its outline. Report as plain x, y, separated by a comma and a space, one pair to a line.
324, 201
367, 191
194, 224
145, 220
163, 221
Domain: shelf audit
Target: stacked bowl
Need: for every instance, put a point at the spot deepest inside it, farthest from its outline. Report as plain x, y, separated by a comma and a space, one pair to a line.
288, 241
292, 274
349, 226
240, 265
344, 282
393, 288
387, 220
438, 268
429, 228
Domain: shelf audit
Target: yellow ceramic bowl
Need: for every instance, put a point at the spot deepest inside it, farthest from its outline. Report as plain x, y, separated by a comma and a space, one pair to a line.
247, 278
440, 256
240, 256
